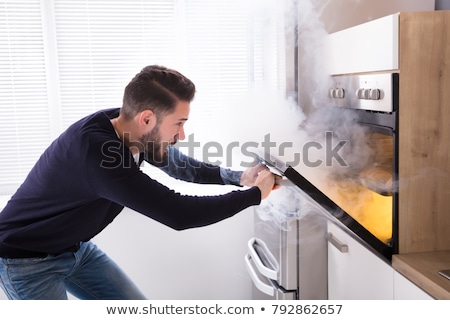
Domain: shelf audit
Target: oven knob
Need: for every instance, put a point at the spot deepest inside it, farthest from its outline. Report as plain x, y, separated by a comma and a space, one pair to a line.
360, 94
340, 93
374, 94
366, 94
331, 92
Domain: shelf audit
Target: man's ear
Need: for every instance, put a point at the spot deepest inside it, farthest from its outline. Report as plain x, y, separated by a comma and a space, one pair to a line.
147, 118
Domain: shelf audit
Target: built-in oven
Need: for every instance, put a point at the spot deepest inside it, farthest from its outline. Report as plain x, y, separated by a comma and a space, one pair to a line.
366, 190
361, 192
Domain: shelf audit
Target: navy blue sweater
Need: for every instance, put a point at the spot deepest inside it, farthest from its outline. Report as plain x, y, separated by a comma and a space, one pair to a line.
87, 176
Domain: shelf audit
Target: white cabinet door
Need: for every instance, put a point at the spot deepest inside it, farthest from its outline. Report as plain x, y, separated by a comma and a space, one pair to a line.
406, 290
356, 273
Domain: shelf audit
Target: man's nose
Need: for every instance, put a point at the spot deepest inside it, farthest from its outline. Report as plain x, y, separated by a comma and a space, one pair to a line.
181, 135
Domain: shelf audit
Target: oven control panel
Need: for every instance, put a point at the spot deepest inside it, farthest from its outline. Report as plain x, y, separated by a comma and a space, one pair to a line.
376, 92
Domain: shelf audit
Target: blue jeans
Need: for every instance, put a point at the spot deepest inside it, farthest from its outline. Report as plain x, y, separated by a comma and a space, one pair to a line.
87, 274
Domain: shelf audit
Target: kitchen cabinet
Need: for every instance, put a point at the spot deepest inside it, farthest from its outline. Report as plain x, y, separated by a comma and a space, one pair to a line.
406, 290
354, 272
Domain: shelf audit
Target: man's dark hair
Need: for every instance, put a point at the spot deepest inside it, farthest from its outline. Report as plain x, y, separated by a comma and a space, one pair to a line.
156, 88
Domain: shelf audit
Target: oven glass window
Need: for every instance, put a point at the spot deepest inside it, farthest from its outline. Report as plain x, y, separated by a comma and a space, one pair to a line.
366, 193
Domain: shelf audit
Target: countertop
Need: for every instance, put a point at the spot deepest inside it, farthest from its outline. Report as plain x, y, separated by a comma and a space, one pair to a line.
422, 269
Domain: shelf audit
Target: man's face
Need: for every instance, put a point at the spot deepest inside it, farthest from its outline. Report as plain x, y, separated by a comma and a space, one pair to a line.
166, 132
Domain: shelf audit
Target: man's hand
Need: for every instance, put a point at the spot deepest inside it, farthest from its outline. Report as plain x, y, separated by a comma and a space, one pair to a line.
265, 181
250, 175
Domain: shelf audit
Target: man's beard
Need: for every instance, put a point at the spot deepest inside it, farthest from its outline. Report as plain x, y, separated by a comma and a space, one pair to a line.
155, 150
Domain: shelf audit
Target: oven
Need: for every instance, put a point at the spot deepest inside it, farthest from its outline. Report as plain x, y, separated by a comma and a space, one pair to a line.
366, 191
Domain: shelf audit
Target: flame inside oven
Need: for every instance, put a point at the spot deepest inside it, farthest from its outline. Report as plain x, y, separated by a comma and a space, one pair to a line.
366, 193
371, 209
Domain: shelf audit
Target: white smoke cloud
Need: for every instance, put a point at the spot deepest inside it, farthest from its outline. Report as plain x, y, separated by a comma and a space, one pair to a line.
308, 121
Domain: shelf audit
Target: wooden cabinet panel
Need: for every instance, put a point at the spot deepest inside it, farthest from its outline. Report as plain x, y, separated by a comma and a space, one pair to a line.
424, 131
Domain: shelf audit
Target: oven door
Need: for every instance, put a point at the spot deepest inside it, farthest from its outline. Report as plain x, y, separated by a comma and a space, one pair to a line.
335, 211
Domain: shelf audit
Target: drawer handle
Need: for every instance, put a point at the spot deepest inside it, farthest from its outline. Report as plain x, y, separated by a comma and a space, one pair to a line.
338, 244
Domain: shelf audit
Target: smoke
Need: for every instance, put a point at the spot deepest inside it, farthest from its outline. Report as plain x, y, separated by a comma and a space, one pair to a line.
282, 207
343, 126
263, 116
304, 126
285, 205
326, 145
314, 79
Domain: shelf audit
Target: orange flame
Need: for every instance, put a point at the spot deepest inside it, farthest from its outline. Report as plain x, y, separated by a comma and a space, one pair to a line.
372, 210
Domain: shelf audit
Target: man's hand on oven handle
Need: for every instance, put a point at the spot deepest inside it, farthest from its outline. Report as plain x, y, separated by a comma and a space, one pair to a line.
249, 176
266, 183
261, 177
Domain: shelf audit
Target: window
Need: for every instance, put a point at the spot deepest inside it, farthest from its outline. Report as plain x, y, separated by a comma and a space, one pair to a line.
24, 113
63, 59
102, 44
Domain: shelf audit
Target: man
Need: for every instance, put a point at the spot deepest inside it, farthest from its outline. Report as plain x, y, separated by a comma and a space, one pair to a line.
90, 173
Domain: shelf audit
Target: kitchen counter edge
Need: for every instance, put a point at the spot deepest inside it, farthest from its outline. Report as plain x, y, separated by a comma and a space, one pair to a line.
422, 269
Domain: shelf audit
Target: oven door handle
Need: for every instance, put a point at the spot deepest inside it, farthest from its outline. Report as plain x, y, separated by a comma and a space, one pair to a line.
269, 290
269, 259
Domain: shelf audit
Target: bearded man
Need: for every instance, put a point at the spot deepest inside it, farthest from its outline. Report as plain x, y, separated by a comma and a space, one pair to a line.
91, 172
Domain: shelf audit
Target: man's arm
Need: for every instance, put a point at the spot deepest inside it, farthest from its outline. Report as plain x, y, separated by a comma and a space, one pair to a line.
183, 167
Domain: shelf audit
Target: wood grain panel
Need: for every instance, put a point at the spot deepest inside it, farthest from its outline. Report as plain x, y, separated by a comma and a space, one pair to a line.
424, 131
